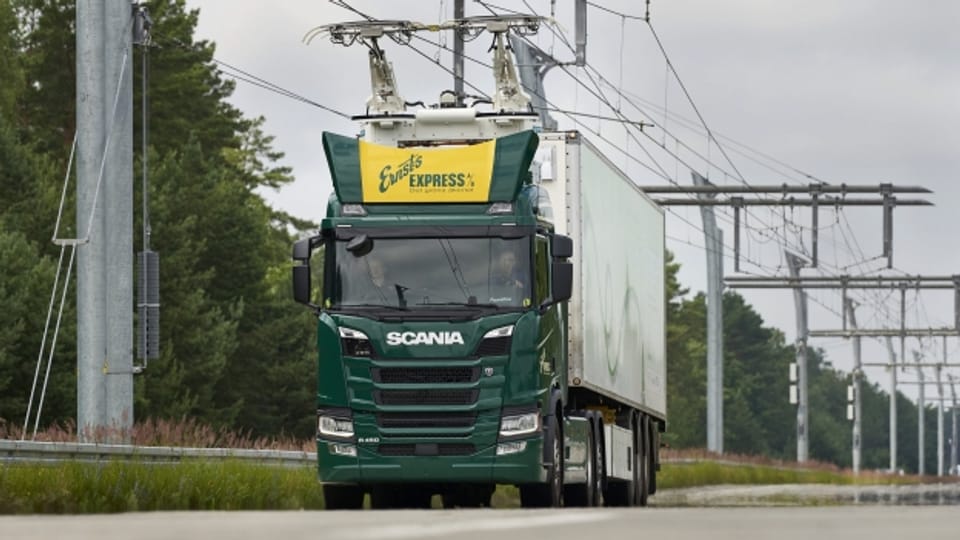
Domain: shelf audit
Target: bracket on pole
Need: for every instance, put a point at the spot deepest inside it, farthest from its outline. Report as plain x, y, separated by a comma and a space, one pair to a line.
737, 206
889, 201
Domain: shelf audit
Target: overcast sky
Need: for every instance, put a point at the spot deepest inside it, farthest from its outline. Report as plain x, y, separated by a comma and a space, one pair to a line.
858, 91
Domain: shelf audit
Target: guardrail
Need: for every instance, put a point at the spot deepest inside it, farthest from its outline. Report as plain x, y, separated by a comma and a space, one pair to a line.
39, 452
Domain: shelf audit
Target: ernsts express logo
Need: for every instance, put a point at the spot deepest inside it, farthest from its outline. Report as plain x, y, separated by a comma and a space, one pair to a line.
422, 182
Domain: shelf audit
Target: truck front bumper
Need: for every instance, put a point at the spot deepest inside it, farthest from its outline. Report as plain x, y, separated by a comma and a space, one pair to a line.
484, 466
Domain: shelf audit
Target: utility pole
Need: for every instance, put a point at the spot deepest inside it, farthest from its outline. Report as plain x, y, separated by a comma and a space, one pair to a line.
458, 14
857, 373
104, 218
91, 277
921, 405
118, 223
800, 304
713, 242
953, 439
893, 405
940, 416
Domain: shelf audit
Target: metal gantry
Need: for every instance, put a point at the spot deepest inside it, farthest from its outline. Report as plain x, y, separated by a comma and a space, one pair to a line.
817, 195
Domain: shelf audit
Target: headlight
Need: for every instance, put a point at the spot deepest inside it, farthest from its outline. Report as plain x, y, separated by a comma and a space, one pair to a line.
520, 424
496, 342
332, 426
355, 343
503, 331
350, 333
342, 449
507, 448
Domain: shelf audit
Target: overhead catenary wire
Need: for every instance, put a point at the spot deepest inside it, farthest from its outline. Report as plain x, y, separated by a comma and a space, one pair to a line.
789, 225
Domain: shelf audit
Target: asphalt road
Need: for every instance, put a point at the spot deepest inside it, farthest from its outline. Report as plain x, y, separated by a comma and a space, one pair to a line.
848, 523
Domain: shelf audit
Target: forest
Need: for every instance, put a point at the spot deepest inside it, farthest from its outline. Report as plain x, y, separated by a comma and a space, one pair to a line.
236, 351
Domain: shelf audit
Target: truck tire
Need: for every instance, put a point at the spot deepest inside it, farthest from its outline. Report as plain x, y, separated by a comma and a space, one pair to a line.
585, 494
642, 476
601, 461
342, 497
654, 455
551, 493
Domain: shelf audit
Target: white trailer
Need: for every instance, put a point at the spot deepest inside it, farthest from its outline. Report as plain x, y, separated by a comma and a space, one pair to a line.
617, 317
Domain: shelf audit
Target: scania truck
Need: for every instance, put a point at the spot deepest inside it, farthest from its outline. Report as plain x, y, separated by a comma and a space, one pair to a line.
490, 303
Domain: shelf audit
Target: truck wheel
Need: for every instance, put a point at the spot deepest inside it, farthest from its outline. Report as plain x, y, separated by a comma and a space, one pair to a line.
654, 455
342, 497
642, 476
585, 494
600, 480
551, 493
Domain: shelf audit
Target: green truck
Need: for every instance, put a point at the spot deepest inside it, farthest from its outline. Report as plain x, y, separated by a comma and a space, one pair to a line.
490, 302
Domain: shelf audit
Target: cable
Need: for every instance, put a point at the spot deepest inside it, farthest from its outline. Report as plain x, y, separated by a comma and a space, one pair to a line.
254, 80
267, 85
692, 103
617, 13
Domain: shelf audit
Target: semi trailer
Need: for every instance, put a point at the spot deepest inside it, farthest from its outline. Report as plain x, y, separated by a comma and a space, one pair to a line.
490, 301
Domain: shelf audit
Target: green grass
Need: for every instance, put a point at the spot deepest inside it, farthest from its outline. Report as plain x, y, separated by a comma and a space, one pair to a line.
706, 473
78, 488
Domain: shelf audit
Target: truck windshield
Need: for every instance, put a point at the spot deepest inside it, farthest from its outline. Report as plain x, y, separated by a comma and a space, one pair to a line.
415, 273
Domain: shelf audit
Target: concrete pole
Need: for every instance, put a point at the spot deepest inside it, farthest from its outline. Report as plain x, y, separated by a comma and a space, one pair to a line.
104, 218
953, 439
939, 423
118, 216
893, 406
920, 417
91, 277
800, 304
713, 242
857, 374
458, 13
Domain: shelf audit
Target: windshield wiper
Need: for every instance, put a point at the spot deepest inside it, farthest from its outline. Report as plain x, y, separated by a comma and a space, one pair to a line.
348, 306
464, 304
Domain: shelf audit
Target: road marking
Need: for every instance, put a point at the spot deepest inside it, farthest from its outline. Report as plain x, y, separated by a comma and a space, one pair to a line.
487, 523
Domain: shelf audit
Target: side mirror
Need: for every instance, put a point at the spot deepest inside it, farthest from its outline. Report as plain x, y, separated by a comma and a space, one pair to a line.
562, 281
562, 247
301, 283
301, 250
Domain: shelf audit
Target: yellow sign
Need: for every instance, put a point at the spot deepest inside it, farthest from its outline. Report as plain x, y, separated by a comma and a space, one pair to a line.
426, 175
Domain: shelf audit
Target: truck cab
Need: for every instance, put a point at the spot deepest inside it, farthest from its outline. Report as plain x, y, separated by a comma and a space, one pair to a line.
439, 285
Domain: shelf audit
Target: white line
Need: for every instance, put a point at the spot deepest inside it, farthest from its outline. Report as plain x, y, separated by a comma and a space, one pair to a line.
488, 523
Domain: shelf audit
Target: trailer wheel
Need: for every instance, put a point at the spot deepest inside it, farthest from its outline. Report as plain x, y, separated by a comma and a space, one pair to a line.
642, 477
654, 455
342, 497
551, 493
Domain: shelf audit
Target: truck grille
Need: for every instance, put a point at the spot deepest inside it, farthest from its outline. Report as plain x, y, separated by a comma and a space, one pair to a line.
428, 375
425, 397
447, 449
426, 420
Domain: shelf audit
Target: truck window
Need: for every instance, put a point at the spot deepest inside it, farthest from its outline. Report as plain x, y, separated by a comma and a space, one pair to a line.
415, 273
542, 269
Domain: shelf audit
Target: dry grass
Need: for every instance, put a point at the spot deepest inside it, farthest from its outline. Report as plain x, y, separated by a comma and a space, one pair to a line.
185, 432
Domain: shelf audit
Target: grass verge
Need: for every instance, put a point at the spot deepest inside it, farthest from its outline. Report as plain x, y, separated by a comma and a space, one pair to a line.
80, 488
